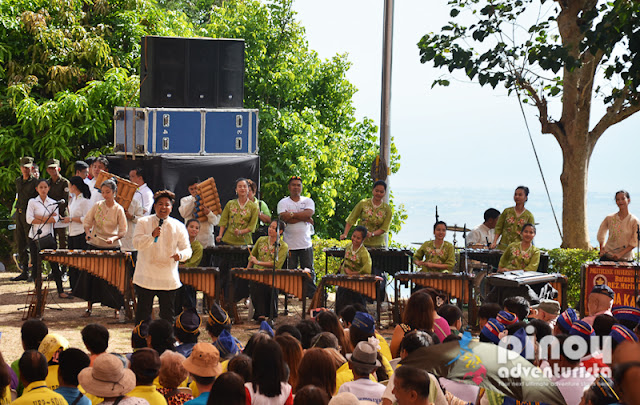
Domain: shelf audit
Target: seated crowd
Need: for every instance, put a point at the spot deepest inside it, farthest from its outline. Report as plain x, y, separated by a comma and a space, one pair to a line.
329, 359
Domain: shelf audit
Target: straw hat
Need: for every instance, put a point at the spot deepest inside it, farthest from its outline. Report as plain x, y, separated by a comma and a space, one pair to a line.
107, 378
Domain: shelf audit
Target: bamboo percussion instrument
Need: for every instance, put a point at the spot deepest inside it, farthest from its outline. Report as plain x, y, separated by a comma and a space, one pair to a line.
126, 188
203, 279
207, 196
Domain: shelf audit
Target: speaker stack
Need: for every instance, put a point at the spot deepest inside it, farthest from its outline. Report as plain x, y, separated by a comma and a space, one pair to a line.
191, 72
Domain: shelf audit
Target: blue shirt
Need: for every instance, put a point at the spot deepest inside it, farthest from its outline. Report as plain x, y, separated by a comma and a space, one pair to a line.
185, 349
200, 400
71, 393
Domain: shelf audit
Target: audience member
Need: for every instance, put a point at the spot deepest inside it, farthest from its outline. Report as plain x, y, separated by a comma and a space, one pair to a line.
626, 372
507, 318
254, 341
311, 395
600, 301
51, 346
96, 339
187, 330
160, 337
362, 363
33, 372
290, 330
32, 332
519, 306
487, 311
145, 364
361, 330
627, 316
308, 329
329, 322
601, 392
241, 365
573, 378
204, 367
453, 315
292, 354
139, 336
411, 386
417, 315
268, 380
171, 376
228, 346
5, 381
71, 362
110, 380
316, 369
547, 310
565, 321
228, 389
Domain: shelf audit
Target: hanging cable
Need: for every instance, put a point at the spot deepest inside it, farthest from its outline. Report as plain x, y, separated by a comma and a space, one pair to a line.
535, 152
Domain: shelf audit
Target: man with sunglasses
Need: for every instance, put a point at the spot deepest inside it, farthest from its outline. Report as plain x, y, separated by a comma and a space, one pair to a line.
297, 212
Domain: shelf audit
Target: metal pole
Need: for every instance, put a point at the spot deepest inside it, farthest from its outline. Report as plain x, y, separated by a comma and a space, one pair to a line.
385, 111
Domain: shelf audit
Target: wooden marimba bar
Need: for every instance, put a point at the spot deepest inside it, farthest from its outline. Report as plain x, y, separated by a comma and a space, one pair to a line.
364, 284
291, 281
112, 266
203, 279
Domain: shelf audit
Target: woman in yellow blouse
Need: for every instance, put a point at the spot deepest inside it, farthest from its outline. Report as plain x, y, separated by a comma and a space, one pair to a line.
512, 220
263, 257
374, 214
239, 217
521, 255
439, 255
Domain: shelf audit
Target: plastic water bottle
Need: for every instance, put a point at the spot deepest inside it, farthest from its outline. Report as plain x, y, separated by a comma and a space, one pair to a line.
121, 318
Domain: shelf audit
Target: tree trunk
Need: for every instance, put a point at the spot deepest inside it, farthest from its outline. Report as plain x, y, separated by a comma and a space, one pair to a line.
575, 171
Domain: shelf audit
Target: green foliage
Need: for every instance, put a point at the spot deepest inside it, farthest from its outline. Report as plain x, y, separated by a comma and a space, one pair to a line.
65, 64
568, 262
319, 257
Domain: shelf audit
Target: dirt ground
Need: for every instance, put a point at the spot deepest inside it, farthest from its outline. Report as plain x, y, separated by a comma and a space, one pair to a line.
64, 316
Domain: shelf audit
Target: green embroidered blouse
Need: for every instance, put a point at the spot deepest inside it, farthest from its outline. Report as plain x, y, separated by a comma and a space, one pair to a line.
236, 217
265, 252
515, 258
374, 218
509, 226
443, 255
359, 260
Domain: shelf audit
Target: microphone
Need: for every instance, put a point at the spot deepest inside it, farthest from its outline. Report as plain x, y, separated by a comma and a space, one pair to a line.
159, 226
61, 201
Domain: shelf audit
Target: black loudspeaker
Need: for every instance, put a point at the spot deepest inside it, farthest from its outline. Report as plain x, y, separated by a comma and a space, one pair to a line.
191, 72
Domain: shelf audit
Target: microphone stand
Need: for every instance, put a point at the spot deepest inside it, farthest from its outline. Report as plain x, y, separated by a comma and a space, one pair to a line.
38, 265
273, 300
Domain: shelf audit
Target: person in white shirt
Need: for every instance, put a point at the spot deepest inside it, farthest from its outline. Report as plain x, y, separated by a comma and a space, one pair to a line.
42, 213
187, 211
571, 378
133, 213
143, 194
79, 206
484, 233
161, 242
363, 361
101, 163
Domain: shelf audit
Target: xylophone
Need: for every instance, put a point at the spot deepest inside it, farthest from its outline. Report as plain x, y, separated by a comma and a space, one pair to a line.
456, 285
201, 278
234, 256
112, 266
622, 277
291, 281
363, 284
207, 195
492, 258
126, 188
388, 260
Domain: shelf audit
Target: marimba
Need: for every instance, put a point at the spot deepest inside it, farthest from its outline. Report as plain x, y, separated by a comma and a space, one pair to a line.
291, 281
622, 277
234, 256
116, 268
126, 188
201, 278
390, 261
366, 285
492, 258
518, 278
207, 195
456, 285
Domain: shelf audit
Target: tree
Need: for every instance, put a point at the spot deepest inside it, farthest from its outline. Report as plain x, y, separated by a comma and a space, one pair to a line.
65, 64
575, 50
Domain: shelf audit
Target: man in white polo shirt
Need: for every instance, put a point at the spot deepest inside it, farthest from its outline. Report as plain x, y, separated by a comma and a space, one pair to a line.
297, 211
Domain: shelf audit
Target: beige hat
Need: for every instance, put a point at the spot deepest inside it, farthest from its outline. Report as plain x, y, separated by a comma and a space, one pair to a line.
345, 398
204, 361
549, 306
107, 378
365, 356
51, 344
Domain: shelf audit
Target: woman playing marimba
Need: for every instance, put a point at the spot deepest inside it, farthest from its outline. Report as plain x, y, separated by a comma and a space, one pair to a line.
372, 213
512, 219
356, 261
622, 227
521, 255
263, 257
439, 255
239, 217
104, 226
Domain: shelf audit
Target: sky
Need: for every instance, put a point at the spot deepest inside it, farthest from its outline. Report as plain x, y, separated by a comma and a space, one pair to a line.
458, 136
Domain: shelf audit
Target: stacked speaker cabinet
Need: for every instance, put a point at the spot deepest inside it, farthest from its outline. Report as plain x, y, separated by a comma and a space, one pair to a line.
191, 72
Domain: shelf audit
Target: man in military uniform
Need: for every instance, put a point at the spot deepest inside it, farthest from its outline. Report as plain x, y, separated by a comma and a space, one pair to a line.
25, 190
59, 190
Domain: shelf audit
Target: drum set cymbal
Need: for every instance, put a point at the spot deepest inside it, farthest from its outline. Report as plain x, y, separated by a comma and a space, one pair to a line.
456, 228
